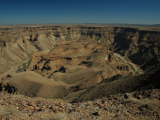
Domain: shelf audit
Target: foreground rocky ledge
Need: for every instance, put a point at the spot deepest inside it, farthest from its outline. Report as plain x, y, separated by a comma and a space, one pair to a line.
136, 105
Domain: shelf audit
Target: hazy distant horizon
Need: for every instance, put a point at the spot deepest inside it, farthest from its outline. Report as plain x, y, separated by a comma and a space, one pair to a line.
88, 23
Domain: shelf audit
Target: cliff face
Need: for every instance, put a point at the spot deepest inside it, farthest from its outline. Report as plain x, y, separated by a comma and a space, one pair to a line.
73, 56
71, 66
140, 46
77, 63
18, 44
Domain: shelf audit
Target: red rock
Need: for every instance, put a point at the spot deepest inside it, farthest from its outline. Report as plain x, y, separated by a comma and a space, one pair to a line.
2, 116
73, 106
77, 109
10, 105
32, 103
19, 102
57, 104
102, 105
21, 108
126, 106
98, 103
60, 109
31, 107
67, 109
37, 108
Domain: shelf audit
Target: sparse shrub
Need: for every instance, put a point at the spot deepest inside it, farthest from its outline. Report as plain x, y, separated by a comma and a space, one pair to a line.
136, 72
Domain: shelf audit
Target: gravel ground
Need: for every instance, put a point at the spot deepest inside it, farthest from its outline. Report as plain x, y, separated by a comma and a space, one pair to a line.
136, 105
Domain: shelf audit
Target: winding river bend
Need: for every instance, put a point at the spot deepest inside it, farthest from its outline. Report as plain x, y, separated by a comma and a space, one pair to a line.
134, 68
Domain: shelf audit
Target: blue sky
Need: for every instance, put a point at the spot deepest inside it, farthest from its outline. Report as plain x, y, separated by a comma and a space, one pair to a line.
79, 11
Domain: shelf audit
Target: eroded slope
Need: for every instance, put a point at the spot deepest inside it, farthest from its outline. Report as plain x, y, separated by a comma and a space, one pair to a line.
72, 66
83, 60
18, 43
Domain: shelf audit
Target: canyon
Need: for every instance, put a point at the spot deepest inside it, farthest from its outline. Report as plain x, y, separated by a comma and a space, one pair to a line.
73, 62
79, 72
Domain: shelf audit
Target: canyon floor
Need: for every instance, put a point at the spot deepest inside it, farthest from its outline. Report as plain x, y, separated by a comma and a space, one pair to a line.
80, 72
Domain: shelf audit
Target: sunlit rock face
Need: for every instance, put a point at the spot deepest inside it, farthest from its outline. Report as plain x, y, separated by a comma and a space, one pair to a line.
84, 53
77, 63
70, 66
19, 43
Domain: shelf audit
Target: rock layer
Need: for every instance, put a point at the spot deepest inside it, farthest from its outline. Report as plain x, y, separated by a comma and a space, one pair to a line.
77, 63
19, 43
72, 66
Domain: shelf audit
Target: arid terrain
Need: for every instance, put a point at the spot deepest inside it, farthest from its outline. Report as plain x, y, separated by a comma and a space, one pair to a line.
77, 72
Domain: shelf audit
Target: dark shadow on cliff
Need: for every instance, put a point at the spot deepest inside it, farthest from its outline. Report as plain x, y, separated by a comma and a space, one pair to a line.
122, 84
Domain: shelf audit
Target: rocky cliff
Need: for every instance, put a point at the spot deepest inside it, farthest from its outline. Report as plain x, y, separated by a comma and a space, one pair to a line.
76, 62
19, 43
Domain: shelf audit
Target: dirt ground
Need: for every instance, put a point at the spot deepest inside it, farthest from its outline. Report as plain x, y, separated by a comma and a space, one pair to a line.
143, 105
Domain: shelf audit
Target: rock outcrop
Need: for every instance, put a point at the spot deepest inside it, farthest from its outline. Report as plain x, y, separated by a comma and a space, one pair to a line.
76, 62
19, 43
72, 66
